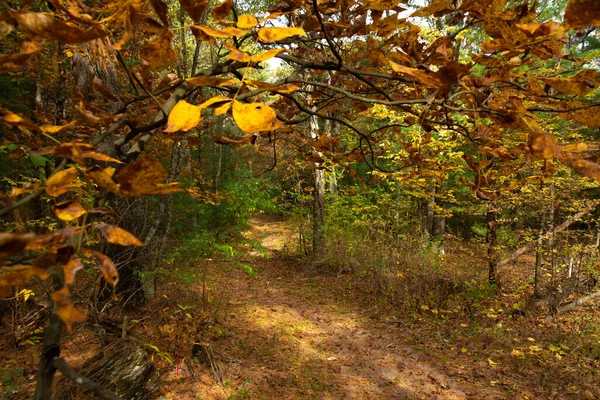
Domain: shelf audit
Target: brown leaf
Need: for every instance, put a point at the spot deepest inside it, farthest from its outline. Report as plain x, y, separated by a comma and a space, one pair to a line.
9, 62
69, 210
437, 8
236, 140
65, 309
105, 264
71, 268
582, 13
51, 239
116, 235
194, 8
48, 27
60, 182
159, 53
145, 176
17, 276
161, 10
425, 77
543, 145
585, 81
221, 11
13, 243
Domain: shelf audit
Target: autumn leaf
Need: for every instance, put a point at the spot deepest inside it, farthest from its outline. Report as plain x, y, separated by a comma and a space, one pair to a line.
68, 210
105, 264
53, 129
214, 32
277, 34
116, 235
210, 81
14, 119
437, 8
214, 100
29, 48
255, 117
144, 176
582, 13
221, 11
48, 27
183, 117
159, 53
428, 78
65, 308
60, 182
161, 10
103, 178
236, 54
266, 55
194, 8
13, 243
246, 21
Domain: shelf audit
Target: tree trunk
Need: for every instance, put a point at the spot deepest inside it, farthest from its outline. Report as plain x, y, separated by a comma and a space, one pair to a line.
318, 199
492, 244
438, 226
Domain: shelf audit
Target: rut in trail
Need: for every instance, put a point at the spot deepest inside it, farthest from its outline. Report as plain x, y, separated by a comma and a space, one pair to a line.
290, 337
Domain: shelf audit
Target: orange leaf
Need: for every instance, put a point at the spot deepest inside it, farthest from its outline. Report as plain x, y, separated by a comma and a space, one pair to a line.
65, 309
276, 34
103, 178
213, 32
116, 235
68, 210
236, 54
255, 117
183, 117
59, 183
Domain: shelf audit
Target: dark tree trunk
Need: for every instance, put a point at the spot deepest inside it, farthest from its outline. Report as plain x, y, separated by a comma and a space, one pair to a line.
492, 244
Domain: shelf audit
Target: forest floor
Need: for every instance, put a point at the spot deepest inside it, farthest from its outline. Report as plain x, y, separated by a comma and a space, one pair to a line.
278, 330
292, 335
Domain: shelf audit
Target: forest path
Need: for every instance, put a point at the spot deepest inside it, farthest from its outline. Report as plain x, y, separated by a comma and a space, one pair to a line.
291, 335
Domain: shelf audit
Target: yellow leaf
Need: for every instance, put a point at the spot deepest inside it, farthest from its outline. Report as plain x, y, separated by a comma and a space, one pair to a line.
276, 34
183, 117
213, 100
209, 81
56, 128
492, 362
464, 350
236, 54
116, 235
59, 183
234, 31
26, 293
213, 32
69, 210
255, 117
517, 353
266, 55
246, 21
223, 109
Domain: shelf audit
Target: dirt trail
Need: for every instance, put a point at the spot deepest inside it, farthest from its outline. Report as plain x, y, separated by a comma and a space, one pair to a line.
290, 336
